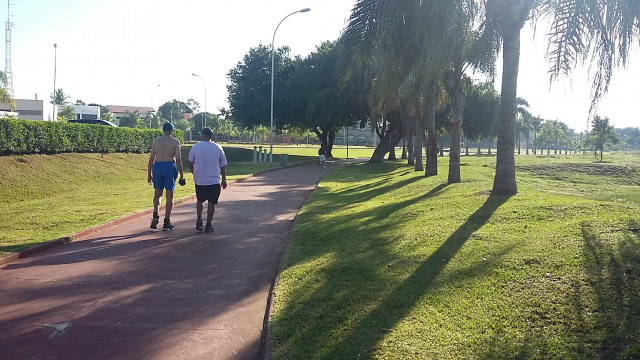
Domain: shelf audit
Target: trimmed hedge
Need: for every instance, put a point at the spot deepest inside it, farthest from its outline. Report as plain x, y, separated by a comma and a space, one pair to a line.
44, 137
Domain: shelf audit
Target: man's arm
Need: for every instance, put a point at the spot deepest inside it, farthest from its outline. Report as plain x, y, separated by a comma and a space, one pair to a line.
191, 166
152, 157
178, 157
223, 172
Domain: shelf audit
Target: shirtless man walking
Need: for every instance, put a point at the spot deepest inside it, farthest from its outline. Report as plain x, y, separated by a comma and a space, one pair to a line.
164, 163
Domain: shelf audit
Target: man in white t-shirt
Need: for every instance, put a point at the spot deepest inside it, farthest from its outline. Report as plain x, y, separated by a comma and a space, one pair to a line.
207, 162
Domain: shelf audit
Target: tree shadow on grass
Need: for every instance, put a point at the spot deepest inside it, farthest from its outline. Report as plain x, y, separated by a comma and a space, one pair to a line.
613, 272
366, 327
603, 319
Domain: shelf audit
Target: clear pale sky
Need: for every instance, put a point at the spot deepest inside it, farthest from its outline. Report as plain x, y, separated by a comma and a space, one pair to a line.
116, 52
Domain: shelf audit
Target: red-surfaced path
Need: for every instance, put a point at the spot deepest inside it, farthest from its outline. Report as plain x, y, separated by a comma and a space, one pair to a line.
134, 293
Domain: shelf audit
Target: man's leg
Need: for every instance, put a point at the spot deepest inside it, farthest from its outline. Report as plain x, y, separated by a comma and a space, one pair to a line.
199, 207
156, 204
167, 215
156, 200
211, 209
169, 205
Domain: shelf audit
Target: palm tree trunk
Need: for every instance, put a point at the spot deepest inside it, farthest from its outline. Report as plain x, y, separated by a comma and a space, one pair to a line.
417, 144
457, 108
404, 148
504, 182
527, 139
411, 150
466, 146
432, 140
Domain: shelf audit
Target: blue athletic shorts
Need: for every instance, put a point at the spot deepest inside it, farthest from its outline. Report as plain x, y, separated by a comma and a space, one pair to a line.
164, 174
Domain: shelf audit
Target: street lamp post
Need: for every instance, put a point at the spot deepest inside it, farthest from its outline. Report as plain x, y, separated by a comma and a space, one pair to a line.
272, 70
204, 116
55, 68
152, 92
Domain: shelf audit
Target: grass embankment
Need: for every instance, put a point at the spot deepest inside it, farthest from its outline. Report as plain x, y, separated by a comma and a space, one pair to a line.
387, 264
43, 197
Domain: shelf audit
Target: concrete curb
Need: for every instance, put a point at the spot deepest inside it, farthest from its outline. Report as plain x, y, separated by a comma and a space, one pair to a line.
83, 234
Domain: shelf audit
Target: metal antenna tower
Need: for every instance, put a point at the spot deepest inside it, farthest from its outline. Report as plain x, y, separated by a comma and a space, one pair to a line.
8, 71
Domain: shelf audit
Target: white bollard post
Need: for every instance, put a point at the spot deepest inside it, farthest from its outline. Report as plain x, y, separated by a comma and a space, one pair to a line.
255, 154
265, 158
260, 155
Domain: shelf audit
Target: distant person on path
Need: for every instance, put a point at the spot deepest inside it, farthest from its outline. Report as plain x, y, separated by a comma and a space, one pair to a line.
165, 163
322, 155
207, 162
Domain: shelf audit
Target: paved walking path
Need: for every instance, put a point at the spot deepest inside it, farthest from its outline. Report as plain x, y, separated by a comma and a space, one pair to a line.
134, 293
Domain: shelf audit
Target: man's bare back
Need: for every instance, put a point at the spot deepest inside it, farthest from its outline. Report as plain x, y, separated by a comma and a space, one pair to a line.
166, 148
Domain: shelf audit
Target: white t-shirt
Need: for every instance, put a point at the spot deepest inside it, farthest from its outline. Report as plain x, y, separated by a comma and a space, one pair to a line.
207, 157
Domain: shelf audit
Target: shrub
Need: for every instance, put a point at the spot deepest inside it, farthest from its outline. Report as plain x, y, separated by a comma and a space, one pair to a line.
31, 137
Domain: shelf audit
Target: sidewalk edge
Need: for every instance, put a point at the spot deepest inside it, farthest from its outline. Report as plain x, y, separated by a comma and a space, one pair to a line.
83, 234
265, 339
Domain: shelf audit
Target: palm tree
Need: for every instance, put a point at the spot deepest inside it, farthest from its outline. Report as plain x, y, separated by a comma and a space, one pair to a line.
406, 46
59, 97
130, 119
67, 113
606, 29
506, 18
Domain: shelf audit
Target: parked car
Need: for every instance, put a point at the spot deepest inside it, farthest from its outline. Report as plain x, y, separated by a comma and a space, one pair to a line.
93, 122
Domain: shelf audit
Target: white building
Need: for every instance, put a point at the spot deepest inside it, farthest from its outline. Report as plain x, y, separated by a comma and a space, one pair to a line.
82, 111
27, 109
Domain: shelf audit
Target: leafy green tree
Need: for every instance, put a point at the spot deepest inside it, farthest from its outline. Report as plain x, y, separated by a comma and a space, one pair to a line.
80, 102
261, 133
249, 89
174, 110
5, 97
314, 98
59, 97
193, 105
183, 124
630, 137
156, 120
601, 135
130, 119
105, 114
482, 106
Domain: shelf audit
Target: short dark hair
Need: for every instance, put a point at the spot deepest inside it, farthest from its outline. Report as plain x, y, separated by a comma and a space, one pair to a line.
207, 132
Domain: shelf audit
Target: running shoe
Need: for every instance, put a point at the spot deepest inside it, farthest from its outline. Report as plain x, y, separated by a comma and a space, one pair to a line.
208, 228
199, 225
167, 226
154, 223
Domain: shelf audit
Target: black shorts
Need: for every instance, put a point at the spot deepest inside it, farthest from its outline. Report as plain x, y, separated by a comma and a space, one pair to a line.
209, 193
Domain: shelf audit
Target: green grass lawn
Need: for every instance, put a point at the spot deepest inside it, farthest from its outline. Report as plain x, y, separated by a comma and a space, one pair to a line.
339, 152
43, 197
387, 264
